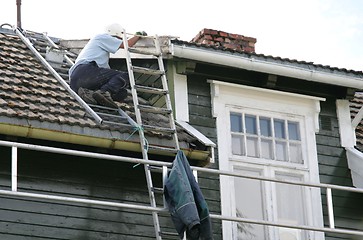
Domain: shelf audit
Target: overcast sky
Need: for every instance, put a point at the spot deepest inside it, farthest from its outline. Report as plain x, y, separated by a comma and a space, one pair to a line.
328, 32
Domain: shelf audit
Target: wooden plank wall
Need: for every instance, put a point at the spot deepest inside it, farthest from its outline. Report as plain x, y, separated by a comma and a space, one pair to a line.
200, 117
45, 173
333, 168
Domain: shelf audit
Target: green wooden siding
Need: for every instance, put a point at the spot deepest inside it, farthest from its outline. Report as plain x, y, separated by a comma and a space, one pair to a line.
200, 117
333, 169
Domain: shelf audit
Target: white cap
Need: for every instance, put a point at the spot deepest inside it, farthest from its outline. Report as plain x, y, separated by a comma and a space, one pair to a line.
115, 29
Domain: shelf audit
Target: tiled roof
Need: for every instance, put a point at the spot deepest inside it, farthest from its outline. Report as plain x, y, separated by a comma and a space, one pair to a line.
30, 95
29, 91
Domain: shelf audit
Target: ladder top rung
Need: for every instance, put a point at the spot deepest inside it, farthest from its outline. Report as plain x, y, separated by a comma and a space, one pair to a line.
147, 70
150, 89
144, 51
151, 109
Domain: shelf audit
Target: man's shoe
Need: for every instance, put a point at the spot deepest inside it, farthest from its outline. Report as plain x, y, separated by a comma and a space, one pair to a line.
87, 95
104, 98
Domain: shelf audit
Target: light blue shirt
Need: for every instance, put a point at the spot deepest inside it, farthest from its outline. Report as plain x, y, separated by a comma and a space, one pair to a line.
98, 49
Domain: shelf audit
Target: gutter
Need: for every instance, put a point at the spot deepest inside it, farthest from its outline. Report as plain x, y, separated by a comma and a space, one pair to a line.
99, 142
253, 64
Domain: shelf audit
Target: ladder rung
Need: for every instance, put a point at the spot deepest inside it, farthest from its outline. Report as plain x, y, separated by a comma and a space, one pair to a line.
158, 190
102, 107
118, 123
151, 109
155, 169
168, 234
111, 115
150, 89
147, 70
158, 129
144, 51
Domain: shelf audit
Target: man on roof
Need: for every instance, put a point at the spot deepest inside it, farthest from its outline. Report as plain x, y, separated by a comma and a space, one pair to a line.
91, 76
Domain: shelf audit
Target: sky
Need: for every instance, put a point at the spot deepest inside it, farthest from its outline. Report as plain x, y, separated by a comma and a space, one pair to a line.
327, 32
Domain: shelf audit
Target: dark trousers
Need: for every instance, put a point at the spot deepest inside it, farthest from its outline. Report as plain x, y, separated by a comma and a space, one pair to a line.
92, 77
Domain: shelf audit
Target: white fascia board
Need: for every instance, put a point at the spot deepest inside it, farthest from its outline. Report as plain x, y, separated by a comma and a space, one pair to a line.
253, 64
296, 95
194, 132
180, 96
346, 129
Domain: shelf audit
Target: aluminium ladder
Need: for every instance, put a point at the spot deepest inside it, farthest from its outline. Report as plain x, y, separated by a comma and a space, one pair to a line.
167, 110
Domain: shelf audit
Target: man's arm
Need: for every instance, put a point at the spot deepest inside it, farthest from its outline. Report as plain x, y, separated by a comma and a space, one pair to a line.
131, 41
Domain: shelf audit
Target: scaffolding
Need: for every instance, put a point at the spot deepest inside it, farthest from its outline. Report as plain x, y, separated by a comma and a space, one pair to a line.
166, 166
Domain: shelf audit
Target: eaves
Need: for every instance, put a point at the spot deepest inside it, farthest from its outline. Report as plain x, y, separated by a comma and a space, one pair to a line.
267, 64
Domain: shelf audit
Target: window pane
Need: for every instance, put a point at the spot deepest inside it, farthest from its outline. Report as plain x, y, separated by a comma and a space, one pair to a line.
281, 151
237, 145
279, 128
236, 122
295, 153
252, 147
251, 126
266, 149
265, 127
294, 133
254, 190
290, 206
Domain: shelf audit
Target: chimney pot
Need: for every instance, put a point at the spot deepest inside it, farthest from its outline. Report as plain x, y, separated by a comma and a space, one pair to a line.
18, 13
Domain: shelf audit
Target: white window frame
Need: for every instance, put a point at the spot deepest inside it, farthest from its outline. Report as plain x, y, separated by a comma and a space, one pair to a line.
227, 97
258, 113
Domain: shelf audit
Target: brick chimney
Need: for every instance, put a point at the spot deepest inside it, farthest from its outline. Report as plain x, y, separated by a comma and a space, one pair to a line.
225, 40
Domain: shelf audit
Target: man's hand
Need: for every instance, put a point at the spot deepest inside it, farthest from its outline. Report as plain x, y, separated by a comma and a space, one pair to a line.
141, 33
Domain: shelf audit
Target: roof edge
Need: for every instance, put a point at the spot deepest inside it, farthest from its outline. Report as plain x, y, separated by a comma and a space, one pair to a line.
254, 64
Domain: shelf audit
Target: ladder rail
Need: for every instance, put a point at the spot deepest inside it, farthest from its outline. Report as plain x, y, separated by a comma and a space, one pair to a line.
88, 109
142, 139
167, 96
69, 61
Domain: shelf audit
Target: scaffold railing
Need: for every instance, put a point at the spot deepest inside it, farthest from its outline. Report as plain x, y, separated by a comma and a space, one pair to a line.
167, 165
